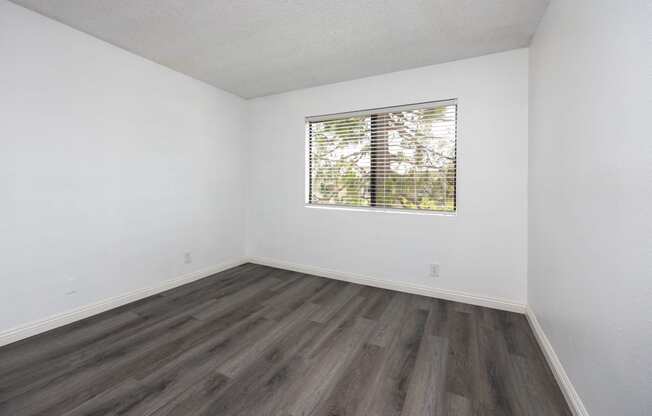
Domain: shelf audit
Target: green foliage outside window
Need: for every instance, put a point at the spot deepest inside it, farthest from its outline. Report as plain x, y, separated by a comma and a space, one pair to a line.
403, 159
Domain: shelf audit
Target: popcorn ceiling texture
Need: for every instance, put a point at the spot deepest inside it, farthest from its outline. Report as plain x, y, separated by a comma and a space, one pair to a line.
261, 47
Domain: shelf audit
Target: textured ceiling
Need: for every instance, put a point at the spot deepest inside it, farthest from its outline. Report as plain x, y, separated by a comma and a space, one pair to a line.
260, 47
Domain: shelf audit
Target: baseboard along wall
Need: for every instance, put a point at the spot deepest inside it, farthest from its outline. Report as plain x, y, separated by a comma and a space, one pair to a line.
43, 325
572, 397
454, 295
567, 388
55, 321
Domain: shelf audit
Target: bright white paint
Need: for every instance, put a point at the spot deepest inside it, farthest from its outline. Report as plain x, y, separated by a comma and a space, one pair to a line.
590, 193
111, 168
260, 47
481, 251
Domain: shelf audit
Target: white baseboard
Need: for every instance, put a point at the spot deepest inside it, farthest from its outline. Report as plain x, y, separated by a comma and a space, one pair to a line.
572, 398
453, 295
55, 321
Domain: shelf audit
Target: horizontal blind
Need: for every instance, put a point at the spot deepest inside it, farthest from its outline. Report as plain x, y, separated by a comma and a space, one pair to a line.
398, 157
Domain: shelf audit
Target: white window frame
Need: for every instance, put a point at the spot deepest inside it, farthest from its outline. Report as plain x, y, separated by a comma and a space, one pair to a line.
406, 107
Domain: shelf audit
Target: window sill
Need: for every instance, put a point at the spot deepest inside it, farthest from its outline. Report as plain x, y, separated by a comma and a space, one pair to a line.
382, 210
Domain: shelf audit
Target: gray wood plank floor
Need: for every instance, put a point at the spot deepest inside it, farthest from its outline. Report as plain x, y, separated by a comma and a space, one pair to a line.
255, 340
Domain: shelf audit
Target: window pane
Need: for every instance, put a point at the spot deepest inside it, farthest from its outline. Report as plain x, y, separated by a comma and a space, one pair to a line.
404, 158
416, 160
340, 162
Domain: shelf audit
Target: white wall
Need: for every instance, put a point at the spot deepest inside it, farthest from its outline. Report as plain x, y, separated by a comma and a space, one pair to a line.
111, 167
482, 250
590, 192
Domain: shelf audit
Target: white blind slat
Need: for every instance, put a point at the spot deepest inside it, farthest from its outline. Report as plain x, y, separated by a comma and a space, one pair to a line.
398, 157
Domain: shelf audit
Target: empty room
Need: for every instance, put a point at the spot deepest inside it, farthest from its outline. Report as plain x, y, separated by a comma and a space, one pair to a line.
325, 208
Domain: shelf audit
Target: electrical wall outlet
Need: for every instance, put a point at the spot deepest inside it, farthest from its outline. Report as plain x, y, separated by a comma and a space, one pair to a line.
434, 270
187, 257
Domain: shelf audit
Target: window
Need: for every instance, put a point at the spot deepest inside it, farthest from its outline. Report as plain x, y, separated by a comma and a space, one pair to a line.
398, 158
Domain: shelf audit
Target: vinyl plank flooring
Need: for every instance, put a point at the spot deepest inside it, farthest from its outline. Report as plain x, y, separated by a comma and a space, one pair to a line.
426, 393
279, 305
255, 340
173, 378
393, 380
195, 397
439, 322
57, 355
238, 362
352, 391
377, 300
66, 389
497, 392
251, 383
391, 320
326, 369
334, 330
330, 308
59, 343
31, 381
462, 368
457, 405
227, 303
